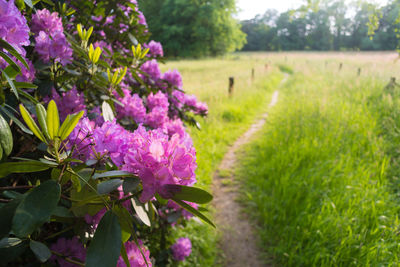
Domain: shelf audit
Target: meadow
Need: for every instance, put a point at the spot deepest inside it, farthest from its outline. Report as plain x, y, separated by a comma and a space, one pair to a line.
320, 180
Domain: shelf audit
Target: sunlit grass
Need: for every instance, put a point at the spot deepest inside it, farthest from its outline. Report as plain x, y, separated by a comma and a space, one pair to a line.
320, 177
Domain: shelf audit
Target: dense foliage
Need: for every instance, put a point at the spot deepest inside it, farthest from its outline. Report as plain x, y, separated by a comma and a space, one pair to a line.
332, 25
194, 28
100, 176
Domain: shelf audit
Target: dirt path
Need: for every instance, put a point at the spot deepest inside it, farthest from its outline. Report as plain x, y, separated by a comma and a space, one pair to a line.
238, 241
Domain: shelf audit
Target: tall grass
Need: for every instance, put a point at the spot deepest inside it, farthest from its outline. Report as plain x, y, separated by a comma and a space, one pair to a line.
228, 118
316, 178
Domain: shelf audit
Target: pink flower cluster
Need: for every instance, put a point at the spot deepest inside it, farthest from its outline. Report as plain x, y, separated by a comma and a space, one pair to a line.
151, 155
151, 70
51, 43
135, 256
158, 110
155, 49
133, 107
181, 249
13, 26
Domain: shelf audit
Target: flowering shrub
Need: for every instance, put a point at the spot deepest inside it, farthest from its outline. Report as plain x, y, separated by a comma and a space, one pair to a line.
100, 176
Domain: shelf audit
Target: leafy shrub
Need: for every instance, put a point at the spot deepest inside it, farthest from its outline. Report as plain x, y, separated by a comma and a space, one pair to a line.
99, 177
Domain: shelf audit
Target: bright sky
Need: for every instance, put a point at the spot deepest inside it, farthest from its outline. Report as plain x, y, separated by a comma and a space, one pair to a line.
250, 8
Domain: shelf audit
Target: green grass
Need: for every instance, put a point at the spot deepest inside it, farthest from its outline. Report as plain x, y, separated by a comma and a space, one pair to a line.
228, 118
320, 179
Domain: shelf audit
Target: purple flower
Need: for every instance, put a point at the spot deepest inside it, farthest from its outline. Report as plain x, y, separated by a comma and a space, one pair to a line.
133, 107
113, 140
69, 102
82, 140
175, 127
157, 117
197, 107
54, 48
159, 161
157, 100
48, 22
135, 256
181, 249
178, 98
13, 26
155, 49
174, 78
70, 248
152, 70
142, 19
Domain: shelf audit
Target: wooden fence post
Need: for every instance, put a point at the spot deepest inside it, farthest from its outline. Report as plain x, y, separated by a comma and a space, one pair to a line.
359, 72
340, 66
231, 84
252, 74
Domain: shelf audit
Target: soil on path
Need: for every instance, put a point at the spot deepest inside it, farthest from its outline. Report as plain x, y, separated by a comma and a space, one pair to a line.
238, 241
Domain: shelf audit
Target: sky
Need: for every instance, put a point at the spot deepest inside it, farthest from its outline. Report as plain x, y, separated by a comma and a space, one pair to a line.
250, 8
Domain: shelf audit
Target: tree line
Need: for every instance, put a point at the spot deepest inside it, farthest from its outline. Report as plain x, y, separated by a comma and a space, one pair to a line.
332, 25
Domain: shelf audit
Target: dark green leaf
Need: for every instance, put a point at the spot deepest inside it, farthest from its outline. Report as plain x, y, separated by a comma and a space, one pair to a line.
188, 193
194, 211
21, 167
10, 61
104, 250
60, 211
130, 184
11, 83
125, 256
25, 85
6, 214
4, 44
41, 251
17, 121
111, 174
36, 208
109, 186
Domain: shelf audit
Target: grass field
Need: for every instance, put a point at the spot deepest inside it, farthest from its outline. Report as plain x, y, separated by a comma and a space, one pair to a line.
228, 118
321, 179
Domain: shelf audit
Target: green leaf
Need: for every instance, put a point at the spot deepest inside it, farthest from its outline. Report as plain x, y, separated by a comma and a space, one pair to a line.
130, 184
17, 121
140, 210
11, 83
22, 167
36, 208
28, 3
61, 211
125, 255
111, 174
6, 138
105, 247
4, 44
10, 61
126, 222
41, 251
108, 113
6, 214
53, 119
25, 85
193, 211
42, 115
188, 193
31, 123
108, 186
9, 242
69, 125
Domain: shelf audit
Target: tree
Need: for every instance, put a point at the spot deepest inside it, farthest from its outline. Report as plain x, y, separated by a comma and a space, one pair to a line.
194, 28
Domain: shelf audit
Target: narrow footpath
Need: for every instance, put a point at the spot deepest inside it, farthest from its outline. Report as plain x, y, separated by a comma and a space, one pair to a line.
238, 241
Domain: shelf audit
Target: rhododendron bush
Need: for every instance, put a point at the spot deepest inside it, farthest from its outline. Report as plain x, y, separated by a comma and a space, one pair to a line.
96, 163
